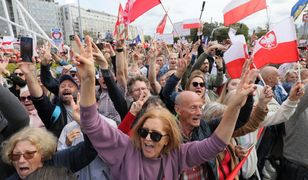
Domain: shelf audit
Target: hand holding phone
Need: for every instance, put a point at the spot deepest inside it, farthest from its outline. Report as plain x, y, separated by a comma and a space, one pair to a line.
26, 49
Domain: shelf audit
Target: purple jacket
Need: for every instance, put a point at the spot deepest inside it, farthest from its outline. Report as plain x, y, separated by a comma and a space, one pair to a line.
127, 162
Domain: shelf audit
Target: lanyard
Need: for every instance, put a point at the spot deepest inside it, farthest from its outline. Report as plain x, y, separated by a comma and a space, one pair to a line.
161, 170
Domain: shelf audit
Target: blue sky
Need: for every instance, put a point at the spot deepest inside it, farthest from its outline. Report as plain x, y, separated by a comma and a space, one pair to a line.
184, 9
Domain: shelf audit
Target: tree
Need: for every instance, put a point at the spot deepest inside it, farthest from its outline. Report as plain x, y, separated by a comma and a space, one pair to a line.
147, 38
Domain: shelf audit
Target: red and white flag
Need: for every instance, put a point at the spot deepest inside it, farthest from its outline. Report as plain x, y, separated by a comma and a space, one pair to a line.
135, 8
235, 58
278, 46
237, 10
161, 26
120, 20
191, 23
236, 55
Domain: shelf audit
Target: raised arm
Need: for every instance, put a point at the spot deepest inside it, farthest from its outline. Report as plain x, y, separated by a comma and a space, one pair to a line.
226, 127
152, 72
14, 112
110, 143
121, 63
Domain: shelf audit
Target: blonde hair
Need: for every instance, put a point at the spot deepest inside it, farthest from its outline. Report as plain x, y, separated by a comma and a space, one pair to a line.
45, 142
170, 127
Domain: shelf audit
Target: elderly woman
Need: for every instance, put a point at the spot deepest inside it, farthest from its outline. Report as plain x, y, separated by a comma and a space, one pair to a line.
154, 150
32, 148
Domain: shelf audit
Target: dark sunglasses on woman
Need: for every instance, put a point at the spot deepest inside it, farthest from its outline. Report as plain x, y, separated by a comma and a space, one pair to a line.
155, 136
196, 84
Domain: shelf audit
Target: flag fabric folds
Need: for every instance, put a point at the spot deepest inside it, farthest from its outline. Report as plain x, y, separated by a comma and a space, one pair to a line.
236, 55
161, 26
298, 8
277, 46
237, 10
120, 20
191, 23
135, 8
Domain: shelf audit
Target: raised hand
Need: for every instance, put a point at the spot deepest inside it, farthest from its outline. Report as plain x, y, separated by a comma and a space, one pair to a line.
3, 64
84, 60
75, 108
99, 57
265, 97
245, 87
45, 54
297, 91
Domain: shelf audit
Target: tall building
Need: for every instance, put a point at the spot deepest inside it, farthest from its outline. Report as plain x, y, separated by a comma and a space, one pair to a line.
93, 22
45, 12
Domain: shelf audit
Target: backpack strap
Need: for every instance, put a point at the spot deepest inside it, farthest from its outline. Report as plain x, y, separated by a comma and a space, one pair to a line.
55, 114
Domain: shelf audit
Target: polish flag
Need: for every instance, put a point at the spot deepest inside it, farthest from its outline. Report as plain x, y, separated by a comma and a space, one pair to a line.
235, 58
192, 23
120, 20
161, 26
237, 10
135, 8
278, 46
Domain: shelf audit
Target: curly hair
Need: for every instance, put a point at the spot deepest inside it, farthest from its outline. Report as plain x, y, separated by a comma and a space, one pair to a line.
45, 142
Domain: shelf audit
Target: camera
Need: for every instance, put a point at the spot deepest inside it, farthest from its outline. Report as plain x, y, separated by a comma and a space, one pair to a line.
219, 52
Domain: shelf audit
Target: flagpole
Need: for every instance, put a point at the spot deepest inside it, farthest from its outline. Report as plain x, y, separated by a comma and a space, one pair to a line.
169, 19
268, 19
299, 71
259, 75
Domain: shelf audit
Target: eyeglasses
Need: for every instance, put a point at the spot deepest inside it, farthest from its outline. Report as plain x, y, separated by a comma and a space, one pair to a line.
19, 74
27, 155
24, 98
196, 84
155, 136
140, 89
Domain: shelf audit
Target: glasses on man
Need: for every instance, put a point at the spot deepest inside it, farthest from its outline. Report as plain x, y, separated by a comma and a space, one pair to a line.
19, 74
24, 98
155, 136
196, 84
140, 89
27, 155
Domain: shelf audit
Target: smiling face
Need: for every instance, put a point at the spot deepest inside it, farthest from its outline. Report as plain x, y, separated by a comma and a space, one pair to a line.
173, 59
150, 148
26, 163
26, 101
66, 89
197, 85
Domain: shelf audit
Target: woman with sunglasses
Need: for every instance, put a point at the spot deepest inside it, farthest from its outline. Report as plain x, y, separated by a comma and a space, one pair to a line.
154, 150
33, 148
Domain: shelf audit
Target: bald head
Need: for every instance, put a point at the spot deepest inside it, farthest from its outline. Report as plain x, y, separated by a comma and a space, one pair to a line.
185, 96
270, 75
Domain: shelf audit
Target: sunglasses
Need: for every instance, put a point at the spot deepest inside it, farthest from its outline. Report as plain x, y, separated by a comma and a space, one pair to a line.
27, 155
196, 84
155, 136
19, 74
24, 98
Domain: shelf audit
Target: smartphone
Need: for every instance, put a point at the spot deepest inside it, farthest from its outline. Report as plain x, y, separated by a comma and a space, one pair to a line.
26, 49
100, 46
54, 50
74, 46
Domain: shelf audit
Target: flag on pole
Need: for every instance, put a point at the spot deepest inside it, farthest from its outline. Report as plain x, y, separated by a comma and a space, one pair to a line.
191, 23
237, 10
135, 8
120, 20
277, 46
161, 26
298, 8
236, 55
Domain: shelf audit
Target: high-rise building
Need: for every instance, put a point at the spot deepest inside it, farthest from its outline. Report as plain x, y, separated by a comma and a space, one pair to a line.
93, 22
45, 12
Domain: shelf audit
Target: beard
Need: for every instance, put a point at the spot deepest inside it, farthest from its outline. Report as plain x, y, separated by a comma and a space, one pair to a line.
67, 101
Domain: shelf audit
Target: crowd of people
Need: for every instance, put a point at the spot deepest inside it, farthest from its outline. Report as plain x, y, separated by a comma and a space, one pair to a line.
117, 111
